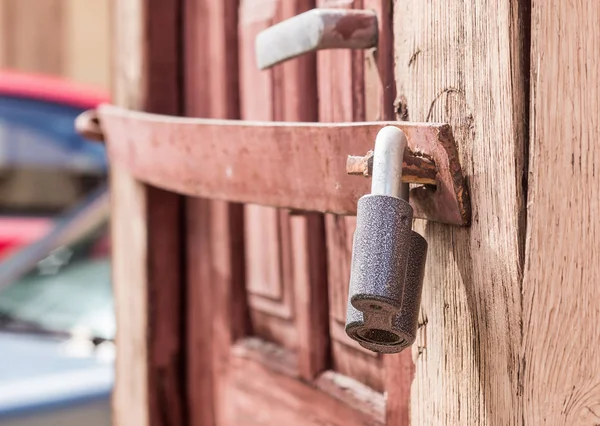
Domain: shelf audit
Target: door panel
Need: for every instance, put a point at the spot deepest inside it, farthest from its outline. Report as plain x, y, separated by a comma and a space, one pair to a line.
268, 281
264, 393
264, 330
290, 315
285, 275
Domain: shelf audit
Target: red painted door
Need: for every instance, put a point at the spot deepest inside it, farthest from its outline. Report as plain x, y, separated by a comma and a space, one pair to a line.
244, 307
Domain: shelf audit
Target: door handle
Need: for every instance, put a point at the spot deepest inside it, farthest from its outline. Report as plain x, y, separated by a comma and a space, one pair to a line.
300, 166
315, 30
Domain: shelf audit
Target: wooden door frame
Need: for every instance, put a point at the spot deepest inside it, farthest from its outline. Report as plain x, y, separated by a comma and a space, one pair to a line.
147, 271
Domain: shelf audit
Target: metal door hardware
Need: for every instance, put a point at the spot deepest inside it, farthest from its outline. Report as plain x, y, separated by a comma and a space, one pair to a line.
388, 258
315, 30
300, 166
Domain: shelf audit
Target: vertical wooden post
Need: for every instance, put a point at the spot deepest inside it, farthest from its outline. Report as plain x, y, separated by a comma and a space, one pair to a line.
216, 302
561, 291
146, 227
464, 63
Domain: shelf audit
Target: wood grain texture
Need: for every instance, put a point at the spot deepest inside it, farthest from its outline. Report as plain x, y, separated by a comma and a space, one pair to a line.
561, 383
146, 229
217, 312
464, 63
263, 395
129, 236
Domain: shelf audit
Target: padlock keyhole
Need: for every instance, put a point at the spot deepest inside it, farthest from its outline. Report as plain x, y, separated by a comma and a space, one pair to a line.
381, 337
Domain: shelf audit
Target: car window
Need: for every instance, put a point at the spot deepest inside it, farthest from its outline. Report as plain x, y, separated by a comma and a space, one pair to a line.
68, 290
62, 282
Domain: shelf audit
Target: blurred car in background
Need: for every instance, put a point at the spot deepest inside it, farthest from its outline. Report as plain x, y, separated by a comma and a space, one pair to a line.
45, 166
57, 321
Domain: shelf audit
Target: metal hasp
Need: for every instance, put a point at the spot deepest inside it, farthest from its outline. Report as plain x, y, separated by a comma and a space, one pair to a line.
316, 29
388, 257
442, 195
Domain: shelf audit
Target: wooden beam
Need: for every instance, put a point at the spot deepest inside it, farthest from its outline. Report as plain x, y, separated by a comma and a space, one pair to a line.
146, 228
464, 63
561, 384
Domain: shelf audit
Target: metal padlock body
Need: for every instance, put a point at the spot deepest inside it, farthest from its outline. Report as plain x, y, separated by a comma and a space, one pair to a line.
381, 249
407, 321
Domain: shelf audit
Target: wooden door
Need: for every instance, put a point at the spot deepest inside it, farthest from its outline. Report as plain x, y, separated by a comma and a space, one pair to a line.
254, 315
233, 315
286, 358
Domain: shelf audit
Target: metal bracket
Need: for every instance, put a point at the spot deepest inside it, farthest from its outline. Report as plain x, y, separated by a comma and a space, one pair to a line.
316, 29
300, 166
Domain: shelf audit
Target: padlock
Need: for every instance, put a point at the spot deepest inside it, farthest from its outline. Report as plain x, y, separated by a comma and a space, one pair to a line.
388, 257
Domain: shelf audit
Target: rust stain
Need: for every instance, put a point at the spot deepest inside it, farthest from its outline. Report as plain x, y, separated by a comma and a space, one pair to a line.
87, 124
347, 26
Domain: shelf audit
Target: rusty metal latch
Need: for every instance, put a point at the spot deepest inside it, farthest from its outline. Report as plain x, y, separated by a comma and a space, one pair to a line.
300, 166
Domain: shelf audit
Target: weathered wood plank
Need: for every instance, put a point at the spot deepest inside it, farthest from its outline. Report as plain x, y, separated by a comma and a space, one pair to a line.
146, 229
561, 381
216, 301
464, 63
264, 394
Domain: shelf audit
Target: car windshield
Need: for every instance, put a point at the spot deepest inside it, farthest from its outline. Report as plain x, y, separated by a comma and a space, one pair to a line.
62, 281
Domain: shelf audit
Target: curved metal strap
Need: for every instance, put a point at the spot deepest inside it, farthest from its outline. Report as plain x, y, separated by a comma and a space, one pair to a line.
301, 166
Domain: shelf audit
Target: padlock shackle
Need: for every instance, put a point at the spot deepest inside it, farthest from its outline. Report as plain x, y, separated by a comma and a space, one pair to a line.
388, 154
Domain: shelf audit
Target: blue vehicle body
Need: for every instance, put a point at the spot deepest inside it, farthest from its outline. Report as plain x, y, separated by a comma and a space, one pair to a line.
36, 133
